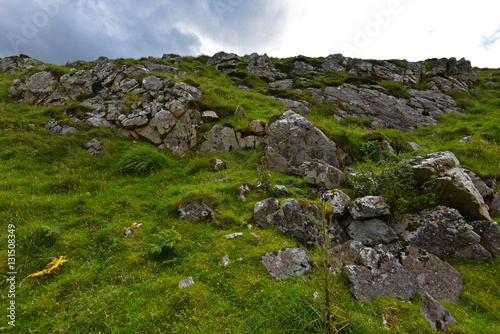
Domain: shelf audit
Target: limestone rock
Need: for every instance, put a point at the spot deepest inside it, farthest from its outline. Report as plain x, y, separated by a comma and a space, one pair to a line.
54, 127
321, 174
150, 134
339, 201
261, 65
281, 190
412, 146
489, 232
164, 121
134, 122
372, 232
495, 205
300, 107
218, 165
369, 207
196, 211
480, 185
152, 83
183, 136
220, 139
257, 128
437, 316
452, 181
443, 232
240, 112
186, 282
287, 262
389, 279
209, 116
434, 276
93, 147
301, 67
287, 217
292, 140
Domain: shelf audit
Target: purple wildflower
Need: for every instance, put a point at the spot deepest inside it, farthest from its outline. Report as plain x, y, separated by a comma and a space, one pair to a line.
296, 245
329, 265
303, 210
313, 239
329, 230
308, 277
306, 231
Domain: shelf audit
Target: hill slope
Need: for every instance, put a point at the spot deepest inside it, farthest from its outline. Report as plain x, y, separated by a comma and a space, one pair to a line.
63, 201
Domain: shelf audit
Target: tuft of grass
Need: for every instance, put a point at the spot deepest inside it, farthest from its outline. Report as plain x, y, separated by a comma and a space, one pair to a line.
143, 160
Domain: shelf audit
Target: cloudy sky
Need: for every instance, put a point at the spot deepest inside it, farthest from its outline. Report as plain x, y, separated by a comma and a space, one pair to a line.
58, 31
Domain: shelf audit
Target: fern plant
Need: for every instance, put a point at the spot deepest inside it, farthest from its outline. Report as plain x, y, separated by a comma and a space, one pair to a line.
167, 244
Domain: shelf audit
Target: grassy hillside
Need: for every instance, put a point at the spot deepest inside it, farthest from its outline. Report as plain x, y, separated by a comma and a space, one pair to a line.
64, 202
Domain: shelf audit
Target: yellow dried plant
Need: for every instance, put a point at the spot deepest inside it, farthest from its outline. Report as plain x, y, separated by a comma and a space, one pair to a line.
51, 267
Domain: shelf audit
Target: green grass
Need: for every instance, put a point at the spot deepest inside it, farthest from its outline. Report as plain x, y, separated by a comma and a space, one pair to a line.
142, 160
65, 202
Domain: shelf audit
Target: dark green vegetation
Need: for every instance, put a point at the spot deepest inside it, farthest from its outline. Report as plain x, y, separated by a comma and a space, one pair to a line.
63, 201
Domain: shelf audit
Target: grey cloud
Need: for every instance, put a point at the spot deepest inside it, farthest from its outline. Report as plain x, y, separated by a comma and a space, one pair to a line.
87, 29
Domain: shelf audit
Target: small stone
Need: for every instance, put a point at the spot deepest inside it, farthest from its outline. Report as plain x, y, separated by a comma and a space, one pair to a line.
225, 260
257, 236
233, 235
93, 147
240, 112
186, 282
413, 146
239, 259
218, 165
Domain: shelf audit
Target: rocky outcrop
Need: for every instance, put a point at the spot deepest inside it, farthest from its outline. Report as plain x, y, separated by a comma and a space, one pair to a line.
453, 181
287, 262
292, 140
262, 66
494, 205
386, 111
15, 63
126, 98
444, 74
300, 107
442, 232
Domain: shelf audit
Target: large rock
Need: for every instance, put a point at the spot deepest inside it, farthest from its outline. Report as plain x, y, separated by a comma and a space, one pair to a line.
288, 218
220, 139
384, 110
443, 232
183, 136
292, 140
263, 67
389, 279
287, 262
437, 316
382, 271
369, 207
372, 232
93, 147
300, 107
453, 181
434, 276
